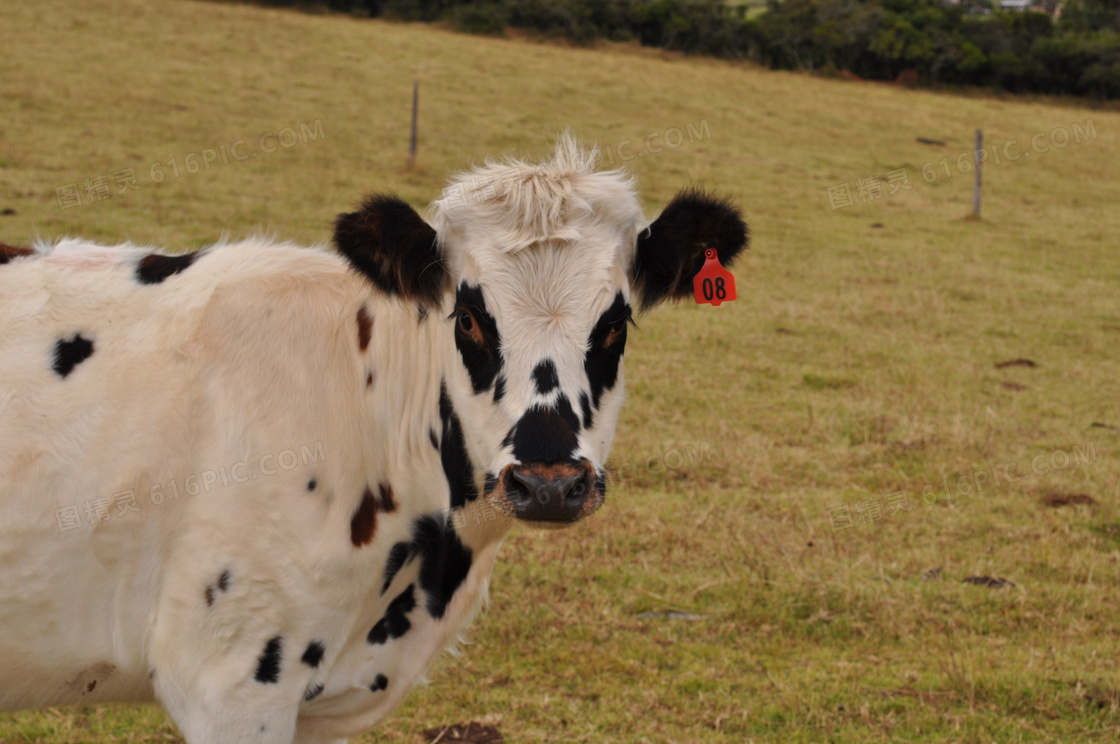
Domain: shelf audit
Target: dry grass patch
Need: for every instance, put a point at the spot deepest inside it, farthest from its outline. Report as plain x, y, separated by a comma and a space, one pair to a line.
716, 598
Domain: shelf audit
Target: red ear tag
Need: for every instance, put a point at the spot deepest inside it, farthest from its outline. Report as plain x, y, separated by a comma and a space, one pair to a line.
713, 284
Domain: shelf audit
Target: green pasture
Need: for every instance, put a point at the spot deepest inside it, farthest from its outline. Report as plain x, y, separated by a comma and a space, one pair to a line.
805, 476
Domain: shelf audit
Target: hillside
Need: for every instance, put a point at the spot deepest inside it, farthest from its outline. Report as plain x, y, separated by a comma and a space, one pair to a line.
857, 371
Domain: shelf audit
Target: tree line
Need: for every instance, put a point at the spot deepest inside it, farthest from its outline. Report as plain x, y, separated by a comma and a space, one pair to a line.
972, 42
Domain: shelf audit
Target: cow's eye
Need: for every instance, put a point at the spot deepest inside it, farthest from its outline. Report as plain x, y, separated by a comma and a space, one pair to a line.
467, 326
616, 332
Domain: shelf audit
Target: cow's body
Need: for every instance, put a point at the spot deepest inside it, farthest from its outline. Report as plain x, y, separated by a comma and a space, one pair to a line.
249, 360
267, 489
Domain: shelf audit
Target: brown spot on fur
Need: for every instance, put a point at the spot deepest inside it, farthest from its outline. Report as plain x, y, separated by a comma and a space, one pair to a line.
386, 503
369, 380
209, 596
9, 252
364, 522
365, 328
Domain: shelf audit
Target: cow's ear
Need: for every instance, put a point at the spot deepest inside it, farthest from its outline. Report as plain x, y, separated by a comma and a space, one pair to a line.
388, 242
671, 251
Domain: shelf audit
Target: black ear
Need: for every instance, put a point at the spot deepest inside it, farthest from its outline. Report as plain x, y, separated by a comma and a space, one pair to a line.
671, 252
392, 245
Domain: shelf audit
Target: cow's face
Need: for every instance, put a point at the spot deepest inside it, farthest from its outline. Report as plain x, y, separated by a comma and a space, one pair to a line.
532, 269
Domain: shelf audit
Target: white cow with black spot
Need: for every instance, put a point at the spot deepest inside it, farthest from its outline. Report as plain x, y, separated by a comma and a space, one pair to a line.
265, 485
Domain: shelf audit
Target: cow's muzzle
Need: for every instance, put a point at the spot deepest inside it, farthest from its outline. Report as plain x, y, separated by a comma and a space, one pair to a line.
550, 494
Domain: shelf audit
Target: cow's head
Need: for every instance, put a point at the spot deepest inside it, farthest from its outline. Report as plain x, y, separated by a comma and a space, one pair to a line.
535, 268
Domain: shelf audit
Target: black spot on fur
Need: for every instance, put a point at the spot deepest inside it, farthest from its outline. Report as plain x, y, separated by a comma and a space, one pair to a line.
364, 522
544, 374
380, 682
69, 354
482, 359
433, 438
671, 252
311, 484
388, 242
585, 406
369, 380
313, 692
499, 388
395, 623
423, 313
603, 358
446, 561
223, 581
154, 268
398, 556
12, 252
313, 655
547, 433
457, 467
91, 685
268, 665
385, 500
365, 328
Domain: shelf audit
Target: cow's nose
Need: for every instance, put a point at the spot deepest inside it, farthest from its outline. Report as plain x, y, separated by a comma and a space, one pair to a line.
549, 492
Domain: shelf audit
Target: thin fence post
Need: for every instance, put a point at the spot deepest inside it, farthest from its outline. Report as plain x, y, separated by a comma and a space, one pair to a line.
415, 111
978, 162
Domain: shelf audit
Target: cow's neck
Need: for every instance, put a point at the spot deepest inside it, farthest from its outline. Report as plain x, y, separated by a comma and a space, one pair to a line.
415, 371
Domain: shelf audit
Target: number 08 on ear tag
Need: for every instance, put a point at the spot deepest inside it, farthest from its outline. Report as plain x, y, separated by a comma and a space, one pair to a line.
713, 284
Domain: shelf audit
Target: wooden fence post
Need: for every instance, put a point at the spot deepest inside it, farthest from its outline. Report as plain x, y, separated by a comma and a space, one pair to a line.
977, 161
415, 111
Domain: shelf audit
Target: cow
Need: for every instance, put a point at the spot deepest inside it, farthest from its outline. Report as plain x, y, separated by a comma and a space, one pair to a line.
265, 484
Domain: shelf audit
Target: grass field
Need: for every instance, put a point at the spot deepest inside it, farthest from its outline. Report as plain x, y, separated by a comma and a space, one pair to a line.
807, 474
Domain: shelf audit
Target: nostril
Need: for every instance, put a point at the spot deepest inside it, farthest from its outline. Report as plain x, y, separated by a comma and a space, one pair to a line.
579, 490
521, 485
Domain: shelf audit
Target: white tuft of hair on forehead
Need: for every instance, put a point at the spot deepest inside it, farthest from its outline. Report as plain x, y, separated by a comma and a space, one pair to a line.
510, 205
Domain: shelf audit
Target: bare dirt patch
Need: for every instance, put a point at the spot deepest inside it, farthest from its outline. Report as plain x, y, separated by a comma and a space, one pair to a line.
1055, 499
1020, 362
472, 733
